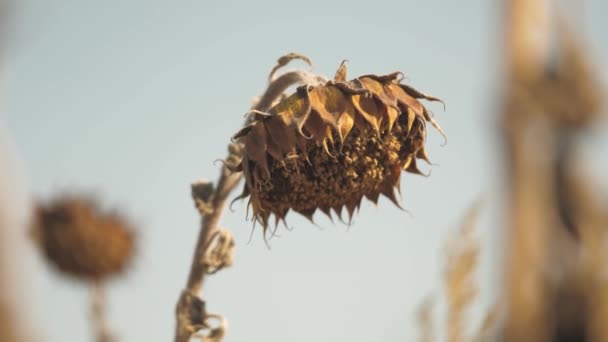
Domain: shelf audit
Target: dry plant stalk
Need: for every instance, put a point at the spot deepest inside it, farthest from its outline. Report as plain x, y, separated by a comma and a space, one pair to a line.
357, 135
11, 327
191, 313
551, 95
488, 330
528, 230
101, 327
528, 181
459, 283
16, 322
424, 317
582, 299
461, 261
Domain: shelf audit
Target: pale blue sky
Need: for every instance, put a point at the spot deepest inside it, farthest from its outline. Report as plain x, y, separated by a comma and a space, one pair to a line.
134, 100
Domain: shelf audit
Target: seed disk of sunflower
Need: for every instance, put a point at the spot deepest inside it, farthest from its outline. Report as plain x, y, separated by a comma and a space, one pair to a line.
326, 147
82, 241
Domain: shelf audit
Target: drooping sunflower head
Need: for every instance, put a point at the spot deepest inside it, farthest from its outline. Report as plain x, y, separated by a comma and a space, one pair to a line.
81, 240
331, 143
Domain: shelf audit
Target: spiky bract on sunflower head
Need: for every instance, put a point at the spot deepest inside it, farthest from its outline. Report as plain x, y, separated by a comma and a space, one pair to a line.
328, 145
81, 240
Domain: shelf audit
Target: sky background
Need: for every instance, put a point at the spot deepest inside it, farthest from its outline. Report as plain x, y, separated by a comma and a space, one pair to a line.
134, 100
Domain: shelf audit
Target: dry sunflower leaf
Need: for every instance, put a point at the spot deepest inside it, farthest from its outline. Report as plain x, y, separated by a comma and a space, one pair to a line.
284, 60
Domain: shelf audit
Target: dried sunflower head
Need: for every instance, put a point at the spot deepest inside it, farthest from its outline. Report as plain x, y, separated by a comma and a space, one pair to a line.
82, 241
331, 143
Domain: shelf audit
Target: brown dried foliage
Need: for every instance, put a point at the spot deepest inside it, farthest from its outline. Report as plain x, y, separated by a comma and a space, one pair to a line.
326, 146
424, 318
461, 262
83, 241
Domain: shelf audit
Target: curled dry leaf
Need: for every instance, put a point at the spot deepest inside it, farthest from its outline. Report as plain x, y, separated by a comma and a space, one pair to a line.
191, 314
202, 194
213, 334
285, 59
327, 146
219, 251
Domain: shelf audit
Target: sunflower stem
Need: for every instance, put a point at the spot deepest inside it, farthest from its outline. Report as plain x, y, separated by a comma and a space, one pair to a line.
545, 64
101, 327
527, 39
186, 324
190, 312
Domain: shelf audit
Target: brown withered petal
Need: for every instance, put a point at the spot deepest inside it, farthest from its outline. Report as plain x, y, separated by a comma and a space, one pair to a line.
82, 241
326, 147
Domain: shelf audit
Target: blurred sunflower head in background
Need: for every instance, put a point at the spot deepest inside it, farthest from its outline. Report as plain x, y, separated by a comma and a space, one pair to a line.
81, 240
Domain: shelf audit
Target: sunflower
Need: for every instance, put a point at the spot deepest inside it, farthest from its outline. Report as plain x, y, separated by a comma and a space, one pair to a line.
331, 143
81, 240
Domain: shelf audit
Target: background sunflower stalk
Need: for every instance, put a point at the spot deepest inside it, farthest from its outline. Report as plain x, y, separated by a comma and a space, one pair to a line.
554, 275
551, 97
